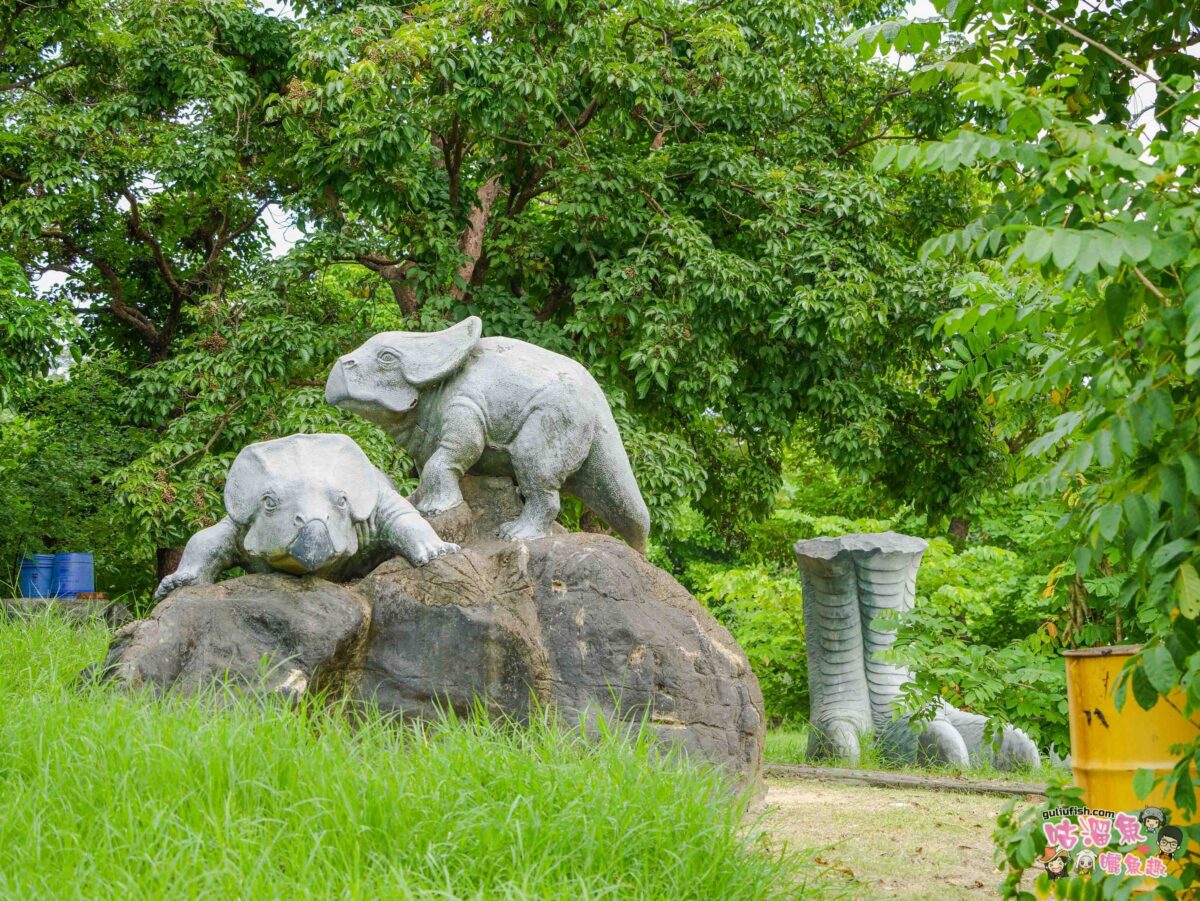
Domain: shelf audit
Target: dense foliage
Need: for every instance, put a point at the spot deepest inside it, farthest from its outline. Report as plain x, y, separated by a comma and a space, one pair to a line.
1096, 307
133, 161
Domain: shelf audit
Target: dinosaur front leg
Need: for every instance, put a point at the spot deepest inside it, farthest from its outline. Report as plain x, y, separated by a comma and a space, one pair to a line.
460, 447
397, 526
207, 554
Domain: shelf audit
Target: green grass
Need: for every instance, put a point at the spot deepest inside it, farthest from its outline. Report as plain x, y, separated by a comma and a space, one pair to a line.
112, 795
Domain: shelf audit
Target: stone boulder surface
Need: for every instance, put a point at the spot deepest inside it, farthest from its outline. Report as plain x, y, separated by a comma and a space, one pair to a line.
579, 623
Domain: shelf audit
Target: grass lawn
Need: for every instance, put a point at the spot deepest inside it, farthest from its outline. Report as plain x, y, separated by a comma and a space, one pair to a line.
112, 795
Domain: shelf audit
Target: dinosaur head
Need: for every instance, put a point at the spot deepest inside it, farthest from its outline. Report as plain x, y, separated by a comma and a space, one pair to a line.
381, 380
298, 501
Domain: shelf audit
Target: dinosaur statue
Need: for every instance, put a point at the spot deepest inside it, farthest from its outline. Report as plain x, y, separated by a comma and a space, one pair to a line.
848, 582
306, 504
460, 403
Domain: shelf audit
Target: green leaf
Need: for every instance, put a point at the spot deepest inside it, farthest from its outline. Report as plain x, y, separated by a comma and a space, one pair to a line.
1110, 521
1166, 555
1160, 669
1144, 691
1037, 245
1185, 789
1143, 782
1066, 248
1137, 513
1187, 591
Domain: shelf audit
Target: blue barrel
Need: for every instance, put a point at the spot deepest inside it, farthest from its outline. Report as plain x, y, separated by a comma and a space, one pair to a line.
73, 573
36, 575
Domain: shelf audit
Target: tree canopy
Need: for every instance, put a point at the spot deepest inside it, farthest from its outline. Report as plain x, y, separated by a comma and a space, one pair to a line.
678, 195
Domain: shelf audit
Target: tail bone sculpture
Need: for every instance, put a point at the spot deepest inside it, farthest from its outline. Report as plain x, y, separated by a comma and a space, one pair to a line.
460, 403
848, 582
306, 504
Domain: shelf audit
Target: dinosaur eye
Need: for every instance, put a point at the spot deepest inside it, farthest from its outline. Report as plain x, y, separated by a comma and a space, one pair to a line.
388, 357
269, 502
341, 501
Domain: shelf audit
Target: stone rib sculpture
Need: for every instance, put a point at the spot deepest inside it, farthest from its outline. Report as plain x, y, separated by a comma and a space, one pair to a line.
460, 403
307, 505
848, 582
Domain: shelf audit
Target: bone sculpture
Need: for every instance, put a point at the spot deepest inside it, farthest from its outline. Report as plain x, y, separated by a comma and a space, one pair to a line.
460, 403
847, 583
306, 504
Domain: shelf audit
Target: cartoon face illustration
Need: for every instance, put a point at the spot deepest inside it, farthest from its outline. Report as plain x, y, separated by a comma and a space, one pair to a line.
1153, 818
1055, 860
1169, 840
1085, 861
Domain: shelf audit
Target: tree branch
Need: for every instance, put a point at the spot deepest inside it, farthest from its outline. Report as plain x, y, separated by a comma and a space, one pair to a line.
1103, 48
225, 240
143, 234
470, 244
29, 80
395, 273
866, 123
134, 318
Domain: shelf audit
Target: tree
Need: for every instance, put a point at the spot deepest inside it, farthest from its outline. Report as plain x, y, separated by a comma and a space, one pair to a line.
1095, 219
133, 155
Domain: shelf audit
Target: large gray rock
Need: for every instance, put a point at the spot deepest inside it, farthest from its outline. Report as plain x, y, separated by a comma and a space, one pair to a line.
578, 623
266, 631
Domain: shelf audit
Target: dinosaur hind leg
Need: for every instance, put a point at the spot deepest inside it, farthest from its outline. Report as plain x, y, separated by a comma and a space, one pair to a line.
550, 446
887, 582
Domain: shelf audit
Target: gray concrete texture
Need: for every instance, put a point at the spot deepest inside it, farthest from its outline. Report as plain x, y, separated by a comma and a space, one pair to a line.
848, 582
460, 403
306, 505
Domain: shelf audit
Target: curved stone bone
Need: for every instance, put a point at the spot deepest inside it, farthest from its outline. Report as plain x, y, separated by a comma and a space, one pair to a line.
459, 403
306, 504
848, 582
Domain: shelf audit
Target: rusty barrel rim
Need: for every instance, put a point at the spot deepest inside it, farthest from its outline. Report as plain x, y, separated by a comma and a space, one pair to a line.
1111, 650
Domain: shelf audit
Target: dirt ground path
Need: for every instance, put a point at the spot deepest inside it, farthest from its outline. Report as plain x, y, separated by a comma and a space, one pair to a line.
889, 843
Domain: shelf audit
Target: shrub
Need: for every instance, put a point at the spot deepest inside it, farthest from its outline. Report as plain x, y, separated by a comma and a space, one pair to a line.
763, 611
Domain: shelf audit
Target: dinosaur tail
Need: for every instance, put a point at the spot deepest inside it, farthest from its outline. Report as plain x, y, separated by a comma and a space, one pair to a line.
607, 485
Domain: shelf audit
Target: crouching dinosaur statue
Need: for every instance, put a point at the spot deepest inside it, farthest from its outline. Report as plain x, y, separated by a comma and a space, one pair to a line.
848, 582
460, 403
306, 504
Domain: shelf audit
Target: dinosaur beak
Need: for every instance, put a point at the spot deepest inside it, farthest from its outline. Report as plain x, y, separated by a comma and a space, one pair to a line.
312, 548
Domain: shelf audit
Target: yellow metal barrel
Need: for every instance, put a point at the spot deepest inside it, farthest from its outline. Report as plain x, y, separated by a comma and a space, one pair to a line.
1108, 747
